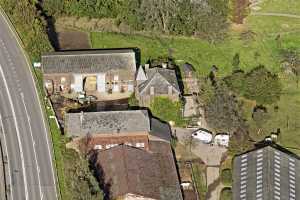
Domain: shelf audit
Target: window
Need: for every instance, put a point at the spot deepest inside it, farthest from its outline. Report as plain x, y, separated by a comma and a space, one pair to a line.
63, 79
97, 147
116, 77
151, 90
140, 144
128, 144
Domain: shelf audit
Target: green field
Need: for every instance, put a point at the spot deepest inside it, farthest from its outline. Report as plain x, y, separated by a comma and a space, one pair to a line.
259, 46
281, 6
198, 52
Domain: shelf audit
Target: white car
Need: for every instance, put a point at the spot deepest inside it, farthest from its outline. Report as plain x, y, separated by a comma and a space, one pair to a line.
222, 139
203, 135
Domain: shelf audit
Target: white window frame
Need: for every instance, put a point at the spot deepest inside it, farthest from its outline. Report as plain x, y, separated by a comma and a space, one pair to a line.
98, 147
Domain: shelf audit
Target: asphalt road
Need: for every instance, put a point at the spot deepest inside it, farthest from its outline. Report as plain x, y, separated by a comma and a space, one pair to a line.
31, 174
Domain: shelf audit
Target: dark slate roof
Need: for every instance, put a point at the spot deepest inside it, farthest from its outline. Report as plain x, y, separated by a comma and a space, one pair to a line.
160, 130
92, 61
159, 77
131, 170
79, 124
187, 67
269, 172
116, 122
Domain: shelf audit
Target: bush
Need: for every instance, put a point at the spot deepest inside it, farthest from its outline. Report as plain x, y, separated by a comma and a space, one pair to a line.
132, 101
226, 194
262, 86
259, 84
167, 110
226, 176
222, 112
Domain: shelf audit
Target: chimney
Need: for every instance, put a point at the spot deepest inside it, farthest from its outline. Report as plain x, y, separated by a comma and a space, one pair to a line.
151, 90
147, 65
81, 118
170, 90
164, 65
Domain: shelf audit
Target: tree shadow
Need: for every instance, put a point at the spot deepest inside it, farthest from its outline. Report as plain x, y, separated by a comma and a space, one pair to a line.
50, 25
99, 173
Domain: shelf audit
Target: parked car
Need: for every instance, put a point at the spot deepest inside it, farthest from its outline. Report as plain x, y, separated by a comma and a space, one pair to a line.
222, 139
203, 135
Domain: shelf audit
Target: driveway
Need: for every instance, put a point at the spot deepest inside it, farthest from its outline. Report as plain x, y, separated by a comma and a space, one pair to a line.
210, 155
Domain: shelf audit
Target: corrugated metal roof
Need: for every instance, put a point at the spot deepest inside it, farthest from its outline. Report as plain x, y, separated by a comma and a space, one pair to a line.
266, 173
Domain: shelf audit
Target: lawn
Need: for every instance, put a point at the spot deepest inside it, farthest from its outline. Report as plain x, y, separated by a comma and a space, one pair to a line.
198, 52
281, 6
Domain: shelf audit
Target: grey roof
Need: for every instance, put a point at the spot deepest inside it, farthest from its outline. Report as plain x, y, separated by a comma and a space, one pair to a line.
160, 130
141, 75
93, 61
187, 67
80, 124
270, 172
159, 77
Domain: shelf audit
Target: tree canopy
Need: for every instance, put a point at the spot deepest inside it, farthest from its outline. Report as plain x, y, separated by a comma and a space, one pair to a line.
207, 19
259, 84
262, 86
222, 112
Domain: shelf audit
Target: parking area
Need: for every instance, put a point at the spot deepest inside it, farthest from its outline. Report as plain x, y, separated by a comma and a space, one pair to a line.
211, 155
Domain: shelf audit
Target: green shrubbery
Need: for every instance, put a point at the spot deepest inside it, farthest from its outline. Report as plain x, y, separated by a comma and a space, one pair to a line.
207, 19
226, 194
226, 177
259, 84
167, 110
29, 25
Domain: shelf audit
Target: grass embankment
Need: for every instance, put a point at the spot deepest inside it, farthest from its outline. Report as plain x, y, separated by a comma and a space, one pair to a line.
199, 179
75, 179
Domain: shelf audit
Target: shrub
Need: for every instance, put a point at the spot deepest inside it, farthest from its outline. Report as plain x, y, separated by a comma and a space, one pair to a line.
226, 176
167, 110
226, 194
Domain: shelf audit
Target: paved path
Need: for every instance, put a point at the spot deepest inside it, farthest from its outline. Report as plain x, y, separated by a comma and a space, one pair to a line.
215, 194
31, 174
275, 14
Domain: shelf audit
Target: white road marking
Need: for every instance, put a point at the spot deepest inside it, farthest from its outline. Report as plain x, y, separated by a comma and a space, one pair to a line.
8, 165
37, 96
33, 144
18, 132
